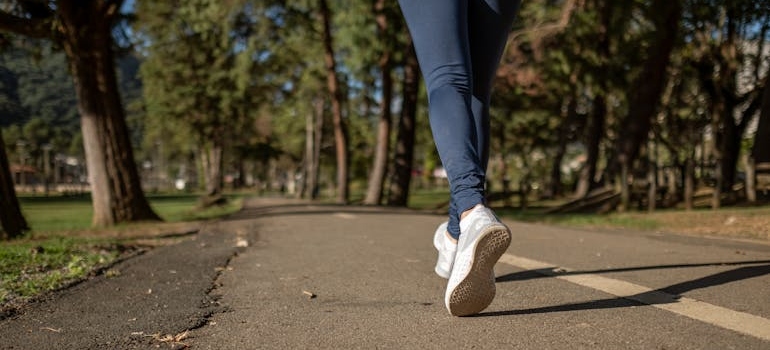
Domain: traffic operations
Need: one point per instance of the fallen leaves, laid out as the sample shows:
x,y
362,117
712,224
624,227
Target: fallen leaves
x,y
173,340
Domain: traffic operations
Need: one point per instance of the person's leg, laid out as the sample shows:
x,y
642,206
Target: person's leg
x,y
471,285
490,23
439,29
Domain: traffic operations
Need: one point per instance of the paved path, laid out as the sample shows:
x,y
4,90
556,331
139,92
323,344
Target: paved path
x,y
317,276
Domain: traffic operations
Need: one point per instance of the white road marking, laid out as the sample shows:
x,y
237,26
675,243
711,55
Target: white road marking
x,y
741,322
344,215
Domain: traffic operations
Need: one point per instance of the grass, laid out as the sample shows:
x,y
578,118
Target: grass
x,y
734,222
28,267
429,199
46,214
51,214
742,223
615,220
62,247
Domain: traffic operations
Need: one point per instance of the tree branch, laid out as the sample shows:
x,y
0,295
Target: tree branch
x,y
551,28
34,28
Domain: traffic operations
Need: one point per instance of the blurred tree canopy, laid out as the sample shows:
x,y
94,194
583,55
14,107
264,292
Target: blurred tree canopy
x,y
659,102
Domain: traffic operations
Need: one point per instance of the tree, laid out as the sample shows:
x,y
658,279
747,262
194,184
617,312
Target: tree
x,y
760,152
645,92
46,89
84,31
10,105
727,34
11,219
543,70
385,20
405,138
337,101
46,95
200,76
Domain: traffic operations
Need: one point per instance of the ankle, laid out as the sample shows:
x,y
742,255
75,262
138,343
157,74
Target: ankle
x,y
465,213
450,238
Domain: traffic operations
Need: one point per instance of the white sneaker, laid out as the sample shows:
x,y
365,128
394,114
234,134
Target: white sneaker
x,y
446,251
483,239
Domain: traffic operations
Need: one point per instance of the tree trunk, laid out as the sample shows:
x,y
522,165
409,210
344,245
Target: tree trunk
x,y
313,134
652,177
724,90
648,86
380,165
689,182
727,135
593,139
731,140
11,218
115,186
404,152
309,147
731,148
211,156
333,84
505,181
556,188
751,176
597,120
760,152
625,195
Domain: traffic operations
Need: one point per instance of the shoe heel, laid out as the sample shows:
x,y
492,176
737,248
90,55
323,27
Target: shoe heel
x,y
477,290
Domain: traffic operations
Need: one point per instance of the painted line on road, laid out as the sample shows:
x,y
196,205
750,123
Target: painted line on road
x,y
741,322
344,215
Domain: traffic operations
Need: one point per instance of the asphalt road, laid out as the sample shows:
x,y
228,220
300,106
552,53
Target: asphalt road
x,y
288,275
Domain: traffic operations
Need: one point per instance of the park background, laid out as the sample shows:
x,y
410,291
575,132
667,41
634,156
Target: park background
x,y
119,112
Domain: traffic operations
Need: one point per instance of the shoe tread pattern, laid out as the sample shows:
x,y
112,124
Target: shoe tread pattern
x,y
477,290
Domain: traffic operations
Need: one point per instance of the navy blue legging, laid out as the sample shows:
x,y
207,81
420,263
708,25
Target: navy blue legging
x,y
458,45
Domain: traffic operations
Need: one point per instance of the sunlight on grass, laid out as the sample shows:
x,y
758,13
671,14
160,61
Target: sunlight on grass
x,y
45,260
50,214
57,213
613,220
184,208
29,267
429,199
606,221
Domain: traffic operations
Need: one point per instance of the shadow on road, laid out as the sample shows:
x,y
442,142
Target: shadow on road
x,y
670,294
555,271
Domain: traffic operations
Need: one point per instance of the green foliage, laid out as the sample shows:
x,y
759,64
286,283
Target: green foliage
x,y
46,105
10,104
209,75
44,87
248,73
38,102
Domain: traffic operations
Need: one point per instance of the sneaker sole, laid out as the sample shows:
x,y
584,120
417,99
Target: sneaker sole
x,y
441,272
477,290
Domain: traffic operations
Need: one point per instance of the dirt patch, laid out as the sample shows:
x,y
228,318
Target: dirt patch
x,y
753,225
149,230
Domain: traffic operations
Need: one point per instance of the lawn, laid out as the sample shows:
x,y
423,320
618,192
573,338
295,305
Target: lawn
x,y
751,222
62,248
60,213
